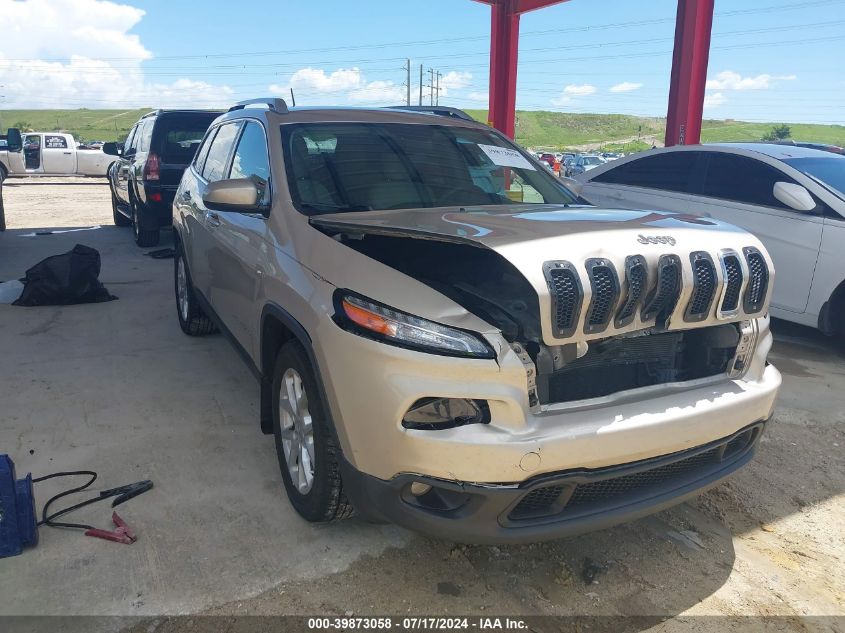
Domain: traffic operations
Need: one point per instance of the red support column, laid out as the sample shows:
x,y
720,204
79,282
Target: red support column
x,y
689,72
504,46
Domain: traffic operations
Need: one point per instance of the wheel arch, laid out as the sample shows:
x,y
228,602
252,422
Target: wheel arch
x,y
278,327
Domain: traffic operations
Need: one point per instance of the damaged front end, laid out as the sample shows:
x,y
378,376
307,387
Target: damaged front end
x,y
592,307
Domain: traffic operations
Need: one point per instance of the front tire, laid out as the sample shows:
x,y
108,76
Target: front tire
x,y
307,451
192,319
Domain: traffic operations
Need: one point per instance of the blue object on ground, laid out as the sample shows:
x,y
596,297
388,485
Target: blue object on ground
x,y
18,523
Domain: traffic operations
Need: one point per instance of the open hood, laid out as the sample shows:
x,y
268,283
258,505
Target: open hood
x,y
496,227
573,255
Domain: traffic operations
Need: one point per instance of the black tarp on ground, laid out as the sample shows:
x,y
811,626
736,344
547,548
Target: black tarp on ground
x,y
65,279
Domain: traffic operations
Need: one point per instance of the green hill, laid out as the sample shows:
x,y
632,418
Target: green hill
x,y
560,129
89,125
537,129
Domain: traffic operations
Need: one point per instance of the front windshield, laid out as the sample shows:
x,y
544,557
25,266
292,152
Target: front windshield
x,y
334,167
830,171
592,160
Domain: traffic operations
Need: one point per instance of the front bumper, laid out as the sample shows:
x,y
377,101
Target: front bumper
x,y
553,505
519,443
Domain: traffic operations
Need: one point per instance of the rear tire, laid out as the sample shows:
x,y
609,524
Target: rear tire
x,y
307,451
144,237
192,319
117,216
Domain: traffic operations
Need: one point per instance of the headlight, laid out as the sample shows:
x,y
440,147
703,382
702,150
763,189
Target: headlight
x,y
368,318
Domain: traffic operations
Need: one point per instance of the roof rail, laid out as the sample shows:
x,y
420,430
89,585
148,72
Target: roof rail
x,y
275,104
455,113
153,113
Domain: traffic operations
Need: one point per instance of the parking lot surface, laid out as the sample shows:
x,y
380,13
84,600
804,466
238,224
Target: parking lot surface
x,y
117,388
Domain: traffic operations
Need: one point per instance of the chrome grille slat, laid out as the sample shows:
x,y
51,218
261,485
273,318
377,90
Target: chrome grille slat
x,y
758,281
705,284
636,276
604,285
732,270
664,296
566,296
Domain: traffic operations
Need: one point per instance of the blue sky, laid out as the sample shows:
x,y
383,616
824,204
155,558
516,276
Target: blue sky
x,y
770,60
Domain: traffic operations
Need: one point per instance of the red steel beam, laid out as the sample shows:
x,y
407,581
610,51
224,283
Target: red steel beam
x,y
689,72
504,48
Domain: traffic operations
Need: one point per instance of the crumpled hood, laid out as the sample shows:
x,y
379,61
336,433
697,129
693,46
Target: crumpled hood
x,y
496,227
536,239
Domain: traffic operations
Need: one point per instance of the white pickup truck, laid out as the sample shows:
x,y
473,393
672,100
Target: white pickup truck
x,y
49,154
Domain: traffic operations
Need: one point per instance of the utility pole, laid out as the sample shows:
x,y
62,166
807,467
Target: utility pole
x,y
421,83
407,69
431,86
439,75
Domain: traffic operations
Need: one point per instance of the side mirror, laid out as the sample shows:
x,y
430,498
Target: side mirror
x,y
573,185
794,196
235,194
112,149
14,142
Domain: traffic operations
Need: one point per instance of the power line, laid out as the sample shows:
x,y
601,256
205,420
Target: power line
x,y
586,28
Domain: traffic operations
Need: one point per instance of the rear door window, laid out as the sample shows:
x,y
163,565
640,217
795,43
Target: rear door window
x,y
127,145
54,142
670,171
742,179
179,137
219,152
144,134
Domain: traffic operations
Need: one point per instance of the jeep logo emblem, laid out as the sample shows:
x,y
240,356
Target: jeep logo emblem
x,y
659,239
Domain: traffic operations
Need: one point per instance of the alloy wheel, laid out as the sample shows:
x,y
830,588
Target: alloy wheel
x,y
182,288
297,431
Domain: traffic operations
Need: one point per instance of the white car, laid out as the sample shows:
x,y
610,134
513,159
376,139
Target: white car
x,y
792,198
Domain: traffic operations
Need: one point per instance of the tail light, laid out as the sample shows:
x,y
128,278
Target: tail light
x,y
152,167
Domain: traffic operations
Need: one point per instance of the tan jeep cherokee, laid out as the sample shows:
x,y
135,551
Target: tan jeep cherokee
x,y
447,338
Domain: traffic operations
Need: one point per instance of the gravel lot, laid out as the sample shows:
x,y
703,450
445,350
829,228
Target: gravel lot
x,y
767,543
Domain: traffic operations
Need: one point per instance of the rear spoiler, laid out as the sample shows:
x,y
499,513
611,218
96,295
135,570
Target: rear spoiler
x,y
455,113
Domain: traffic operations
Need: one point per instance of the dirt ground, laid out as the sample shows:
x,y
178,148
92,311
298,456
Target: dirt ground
x,y
767,543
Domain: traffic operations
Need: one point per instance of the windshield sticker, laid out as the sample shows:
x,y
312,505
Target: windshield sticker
x,y
506,157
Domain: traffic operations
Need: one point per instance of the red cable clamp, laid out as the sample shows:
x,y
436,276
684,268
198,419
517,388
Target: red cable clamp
x,y
123,533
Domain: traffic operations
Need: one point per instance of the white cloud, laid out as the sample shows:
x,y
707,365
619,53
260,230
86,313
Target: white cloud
x,y
478,96
455,80
313,79
626,86
100,63
379,92
714,99
351,86
730,80
574,90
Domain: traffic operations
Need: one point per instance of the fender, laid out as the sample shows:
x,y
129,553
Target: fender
x,y
299,333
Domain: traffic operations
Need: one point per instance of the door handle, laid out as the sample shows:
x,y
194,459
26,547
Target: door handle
x,y
212,218
67,153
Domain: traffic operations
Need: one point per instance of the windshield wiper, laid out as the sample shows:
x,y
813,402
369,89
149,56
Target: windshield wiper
x,y
328,207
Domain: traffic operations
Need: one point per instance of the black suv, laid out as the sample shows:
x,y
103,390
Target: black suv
x,y
150,163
